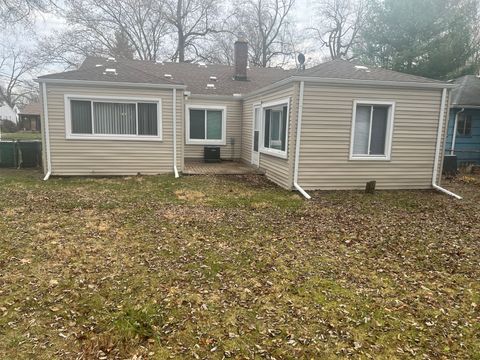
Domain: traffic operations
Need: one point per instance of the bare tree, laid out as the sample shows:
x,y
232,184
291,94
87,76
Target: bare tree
x,y
341,22
266,26
95,25
12,11
17,68
192,20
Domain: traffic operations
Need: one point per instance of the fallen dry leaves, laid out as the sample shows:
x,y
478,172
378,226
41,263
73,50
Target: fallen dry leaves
x,y
234,267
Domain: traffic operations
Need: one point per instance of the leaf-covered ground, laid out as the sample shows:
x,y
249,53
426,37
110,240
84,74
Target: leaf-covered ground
x,y
234,267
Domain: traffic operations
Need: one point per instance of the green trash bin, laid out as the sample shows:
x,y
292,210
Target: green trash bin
x,y
29,154
8,154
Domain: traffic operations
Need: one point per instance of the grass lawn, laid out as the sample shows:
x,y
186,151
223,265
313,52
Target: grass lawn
x,y
234,267
21,136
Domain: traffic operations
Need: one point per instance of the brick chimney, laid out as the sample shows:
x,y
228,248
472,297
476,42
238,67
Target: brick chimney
x,y
241,58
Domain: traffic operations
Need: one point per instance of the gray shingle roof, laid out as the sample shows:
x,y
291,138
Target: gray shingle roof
x,y
196,77
342,69
124,73
466,91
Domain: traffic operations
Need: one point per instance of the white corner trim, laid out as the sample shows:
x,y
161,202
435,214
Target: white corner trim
x,y
222,108
256,106
274,152
114,99
389,134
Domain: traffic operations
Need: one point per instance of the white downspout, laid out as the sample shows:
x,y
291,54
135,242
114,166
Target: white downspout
x,y
175,133
454,135
46,132
297,143
437,149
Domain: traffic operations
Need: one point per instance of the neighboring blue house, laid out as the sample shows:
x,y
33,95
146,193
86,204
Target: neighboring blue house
x,y
463,135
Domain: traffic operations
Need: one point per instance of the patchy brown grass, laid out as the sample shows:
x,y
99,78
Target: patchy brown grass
x,y
215,267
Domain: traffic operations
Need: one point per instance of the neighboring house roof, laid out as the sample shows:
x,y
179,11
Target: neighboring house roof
x,y
31,109
466,92
196,76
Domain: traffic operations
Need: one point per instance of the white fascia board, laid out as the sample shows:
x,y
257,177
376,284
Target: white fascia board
x,y
109,83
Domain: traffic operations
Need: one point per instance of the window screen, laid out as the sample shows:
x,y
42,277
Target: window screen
x,y
275,128
147,119
214,125
206,124
197,124
81,114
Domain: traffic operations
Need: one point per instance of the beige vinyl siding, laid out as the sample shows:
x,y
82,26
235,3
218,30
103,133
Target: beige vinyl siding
x,y
326,129
233,129
278,170
112,157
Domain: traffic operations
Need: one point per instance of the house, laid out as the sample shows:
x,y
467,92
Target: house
x,y
29,117
463,135
333,126
8,113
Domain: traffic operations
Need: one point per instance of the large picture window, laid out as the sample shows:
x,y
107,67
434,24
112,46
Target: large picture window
x,y
206,125
371,130
275,126
113,119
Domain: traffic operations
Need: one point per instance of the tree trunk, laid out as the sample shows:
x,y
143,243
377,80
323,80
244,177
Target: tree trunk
x,y
181,35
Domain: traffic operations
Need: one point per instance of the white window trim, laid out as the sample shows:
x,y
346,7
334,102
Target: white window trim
x,y
274,152
114,99
389,131
222,141
255,107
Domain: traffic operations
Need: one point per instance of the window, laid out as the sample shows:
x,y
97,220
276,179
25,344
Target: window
x,y
206,125
275,125
464,125
112,119
371,130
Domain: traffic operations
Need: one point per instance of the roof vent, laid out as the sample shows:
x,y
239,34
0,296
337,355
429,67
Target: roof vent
x,y
111,59
110,71
361,67
202,65
168,76
210,86
213,78
237,95
98,65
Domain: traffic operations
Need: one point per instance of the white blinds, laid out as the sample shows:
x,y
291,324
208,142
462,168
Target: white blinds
x,y
114,118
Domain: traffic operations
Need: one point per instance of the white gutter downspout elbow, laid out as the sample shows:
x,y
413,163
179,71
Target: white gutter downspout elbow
x,y
454,135
46,132
175,170
437,149
297,143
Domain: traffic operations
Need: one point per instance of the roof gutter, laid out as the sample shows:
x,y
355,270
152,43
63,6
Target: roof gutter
x,y
297,143
437,149
46,132
109,83
174,111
